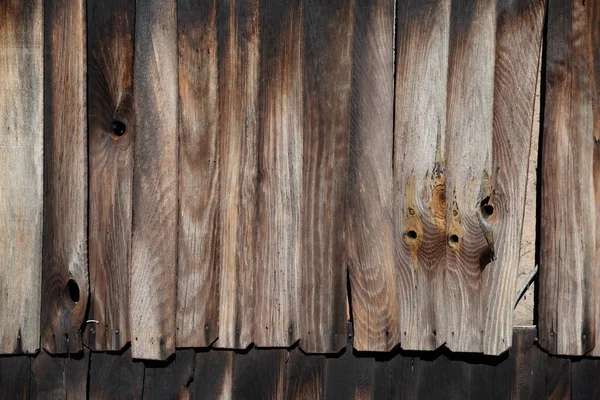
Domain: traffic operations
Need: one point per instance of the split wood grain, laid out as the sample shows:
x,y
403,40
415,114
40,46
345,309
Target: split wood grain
x,y
111,138
239,59
21,174
154,241
370,230
280,146
327,65
198,264
65,285
568,302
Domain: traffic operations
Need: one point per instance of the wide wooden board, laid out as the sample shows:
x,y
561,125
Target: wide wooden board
x,y
21,174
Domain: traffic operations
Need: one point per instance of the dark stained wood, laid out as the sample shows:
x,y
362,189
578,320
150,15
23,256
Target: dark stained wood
x,y
371,255
213,375
61,377
199,224
239,40
21,174
65,285
568,301
111,137
280,137
327,64
15,373
419,171
356,376
170,379
305,376
115,376
558,377
584,379
528,365
154,241
259,374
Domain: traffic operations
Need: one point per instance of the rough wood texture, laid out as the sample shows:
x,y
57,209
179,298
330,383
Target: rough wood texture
x,y
21,174
327,63
239,40
15,375
199,225
64,268
280,156
111,138
115,376
213,373
59,377
170,379
259,375
154,241
568,303
371,255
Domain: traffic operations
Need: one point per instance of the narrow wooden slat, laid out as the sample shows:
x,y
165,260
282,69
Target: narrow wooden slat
x,y
529,376
111,138
371,256
199,226
239,40
65,268
170,379
55,377
280,157
419,169
568,300
15,374
213,375
305,376
115,376
154,241
259,374
327,63
21,174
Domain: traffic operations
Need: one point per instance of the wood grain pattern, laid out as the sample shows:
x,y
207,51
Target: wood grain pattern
x,y
199,227
419,170
259,374
55,377
280,158
111,137
327,63
370,230
65,287
584,378
154,241
170,379
239,59
15,375
115,376
21,174
568,302
213,373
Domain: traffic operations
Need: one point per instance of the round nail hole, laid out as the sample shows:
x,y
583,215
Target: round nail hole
x,y
73,290
411,234
487,210
454,239
117,128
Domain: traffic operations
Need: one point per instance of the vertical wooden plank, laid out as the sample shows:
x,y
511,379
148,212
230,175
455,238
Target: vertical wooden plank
x,y
280,157
356,376
154,241
21,177
213,375
570,144
259,374
529,375
469,182
305,376
111,138
419,169
65,285
558,377
15,373
327,63
54,377
115,376
371,256
199,227
584,379
170,379
239,41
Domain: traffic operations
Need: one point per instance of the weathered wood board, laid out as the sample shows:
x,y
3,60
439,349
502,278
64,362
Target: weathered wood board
x,y
110,30
568,301
21,174
154,241
115,376
59,377
199,223
65,266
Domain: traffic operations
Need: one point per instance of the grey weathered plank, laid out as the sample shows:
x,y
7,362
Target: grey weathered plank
x,y
111,137
568,301
239,40
199,224
154,240
21,174
64,267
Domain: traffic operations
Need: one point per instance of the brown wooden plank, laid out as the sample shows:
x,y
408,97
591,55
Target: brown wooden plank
x,y
199,226
15,373
278,262
170,379
305,376
59,377
419,170
371,256
568,300
259,374
154,241
584,379
529,375
213,375
21,174
111,138
115,376
65,285
327,63
239,40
